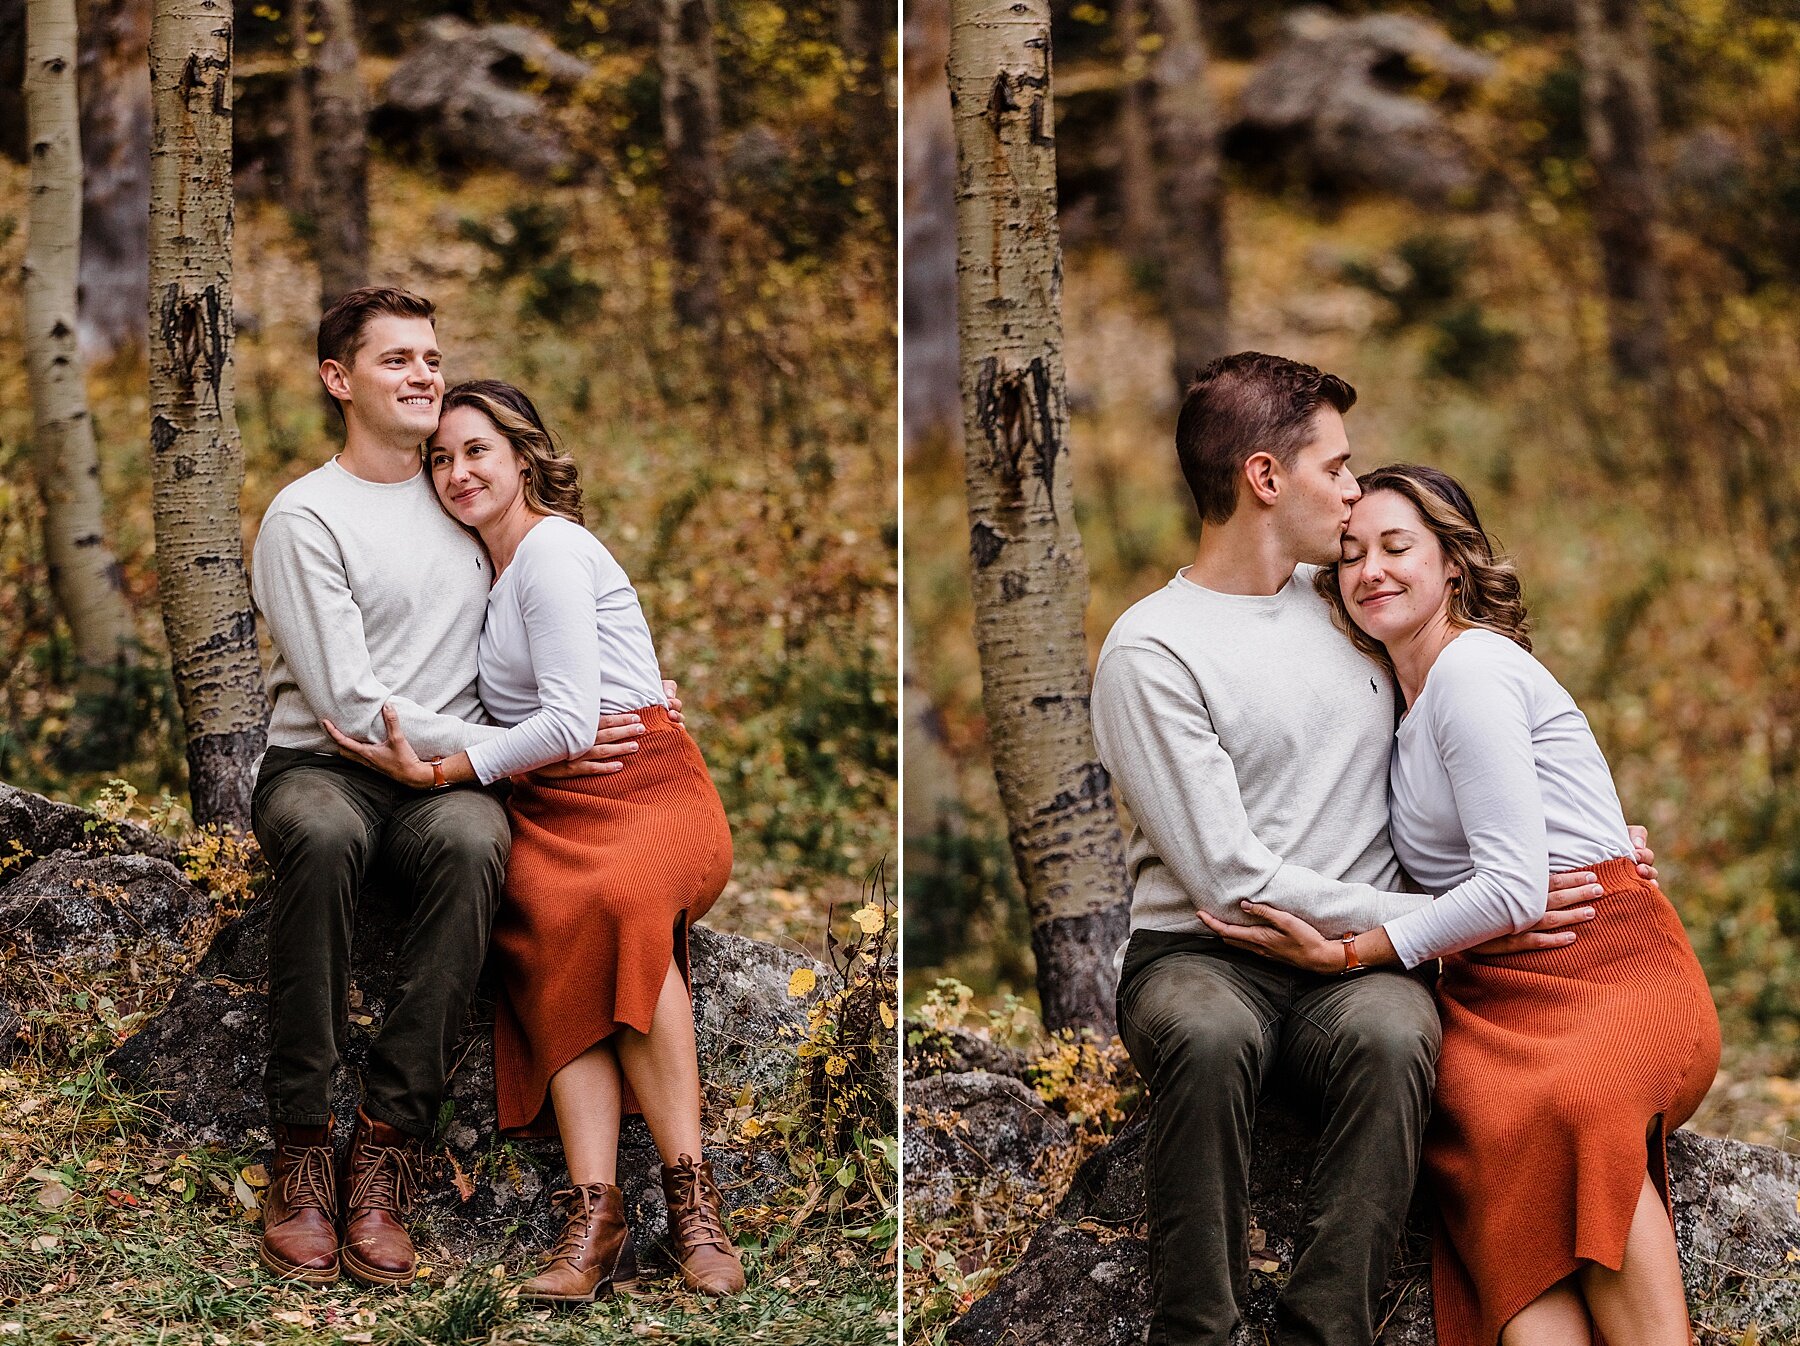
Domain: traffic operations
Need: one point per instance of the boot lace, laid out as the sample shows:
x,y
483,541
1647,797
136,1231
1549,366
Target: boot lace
x,y
306,1181
383,1178
577,1207
696,1206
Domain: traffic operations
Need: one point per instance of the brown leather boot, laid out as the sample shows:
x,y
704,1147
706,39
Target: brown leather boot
x,y
709,1259
588,1260
299,1210
379,1186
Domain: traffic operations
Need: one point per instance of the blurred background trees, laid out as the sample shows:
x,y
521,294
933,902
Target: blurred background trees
x,y
1553,243
513,162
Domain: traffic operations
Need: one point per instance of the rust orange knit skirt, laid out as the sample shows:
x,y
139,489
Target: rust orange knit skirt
x,y
606,875
1561,1074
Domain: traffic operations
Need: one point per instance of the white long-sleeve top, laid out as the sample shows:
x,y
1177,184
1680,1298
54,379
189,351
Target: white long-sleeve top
x,y
565,642
1250,741
1496,783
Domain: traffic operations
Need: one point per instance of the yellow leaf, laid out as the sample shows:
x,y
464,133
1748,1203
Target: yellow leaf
x,y
870,919
836,1065
752,1128
887,1015
802,982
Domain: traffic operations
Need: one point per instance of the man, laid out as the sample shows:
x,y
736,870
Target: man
x,y
372,596
1250,741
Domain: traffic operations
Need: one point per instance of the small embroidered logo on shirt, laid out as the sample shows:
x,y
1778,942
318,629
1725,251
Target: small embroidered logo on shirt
x,y
1373,688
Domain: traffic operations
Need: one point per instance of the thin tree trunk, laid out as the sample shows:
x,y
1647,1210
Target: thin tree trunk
x,y
83,573
1140,217
692,184
1618,113
340,129
300,187
196,459
1196,293
115,202
1028,574
864,30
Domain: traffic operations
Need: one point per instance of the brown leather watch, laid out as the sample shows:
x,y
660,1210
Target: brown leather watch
x,y
1351,962
438,780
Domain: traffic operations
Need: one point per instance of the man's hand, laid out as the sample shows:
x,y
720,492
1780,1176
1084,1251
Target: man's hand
x,y
1566,909
1281,936
617,738
1646,858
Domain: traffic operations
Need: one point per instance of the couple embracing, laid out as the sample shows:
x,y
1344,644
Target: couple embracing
x,y
1336,696
443,624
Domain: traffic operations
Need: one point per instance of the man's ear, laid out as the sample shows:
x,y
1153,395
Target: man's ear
x,y
336,379
1262,471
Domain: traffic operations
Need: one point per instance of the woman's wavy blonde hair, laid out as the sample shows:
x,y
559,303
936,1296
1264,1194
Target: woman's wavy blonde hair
x,y
1485,592
552,482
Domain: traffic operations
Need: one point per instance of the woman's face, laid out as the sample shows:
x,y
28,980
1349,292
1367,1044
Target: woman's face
x,y
1393,575
475,470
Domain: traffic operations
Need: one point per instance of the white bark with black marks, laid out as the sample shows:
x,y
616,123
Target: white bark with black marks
x,y
1028,573
84,575
196,459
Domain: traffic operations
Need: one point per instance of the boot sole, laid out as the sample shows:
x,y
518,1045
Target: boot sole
x,y
694,1284
300,1275
600,1291
368,1275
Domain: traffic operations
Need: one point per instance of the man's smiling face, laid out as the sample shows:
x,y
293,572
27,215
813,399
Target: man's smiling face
x,y
395,382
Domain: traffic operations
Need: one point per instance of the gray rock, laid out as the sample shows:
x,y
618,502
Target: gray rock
x,y
947,1051
1083,1278
470,96
1334,104
972,1136
88,910
33,826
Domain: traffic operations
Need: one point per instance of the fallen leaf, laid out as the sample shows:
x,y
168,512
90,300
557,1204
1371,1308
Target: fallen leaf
x,y
800,984
45,1243
53,1194
887,1015
246,1196
118,1198
44,1175
254,1174
219,1184
465,1185
293,1317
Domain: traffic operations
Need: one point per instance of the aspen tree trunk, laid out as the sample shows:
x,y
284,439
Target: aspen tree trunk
x,y
692,185
1196,293
1140,217
1028,573
196,460
1619,116
341,141
299,189
83,574
115,151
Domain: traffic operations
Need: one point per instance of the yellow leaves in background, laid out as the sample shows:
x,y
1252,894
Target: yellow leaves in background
x,y
802,983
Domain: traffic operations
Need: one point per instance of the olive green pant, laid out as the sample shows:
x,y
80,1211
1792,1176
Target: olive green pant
x,y
326,824
1211,1028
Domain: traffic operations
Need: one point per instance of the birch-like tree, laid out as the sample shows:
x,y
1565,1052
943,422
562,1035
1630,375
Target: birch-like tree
x,y
1619,118
1195,289
1028,573
694,178
341,143
84,576
196,459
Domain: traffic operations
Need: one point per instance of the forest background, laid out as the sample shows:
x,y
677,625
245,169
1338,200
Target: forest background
x,y
1415,209
738,459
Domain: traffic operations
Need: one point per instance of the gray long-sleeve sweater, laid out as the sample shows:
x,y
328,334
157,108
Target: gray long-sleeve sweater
x,y
1250,741
372,594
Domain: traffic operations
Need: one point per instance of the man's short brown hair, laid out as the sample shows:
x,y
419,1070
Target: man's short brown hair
x,y
341,326
1243,404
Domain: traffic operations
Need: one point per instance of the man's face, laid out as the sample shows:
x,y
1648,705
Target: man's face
x,y
394,383
1318,491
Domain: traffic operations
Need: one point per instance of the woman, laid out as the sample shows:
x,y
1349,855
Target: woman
x,y
608,870
1563,1069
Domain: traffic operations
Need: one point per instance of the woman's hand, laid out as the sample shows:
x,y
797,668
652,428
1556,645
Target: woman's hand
x,y
1281,936
394,758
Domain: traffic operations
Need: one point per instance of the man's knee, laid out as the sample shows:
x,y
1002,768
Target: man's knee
x,y
302,819
1186,1022
1396,1041
465,832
